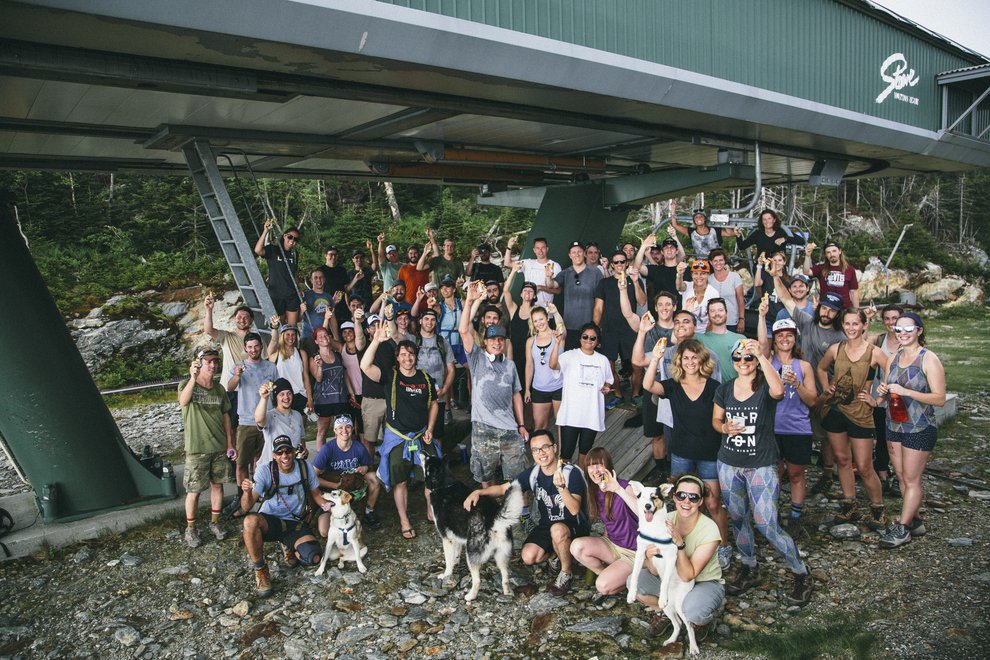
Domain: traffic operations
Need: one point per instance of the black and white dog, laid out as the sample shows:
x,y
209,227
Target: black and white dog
x,y
485,530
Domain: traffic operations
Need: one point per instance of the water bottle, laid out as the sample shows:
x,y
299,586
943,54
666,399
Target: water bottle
x,y
897,409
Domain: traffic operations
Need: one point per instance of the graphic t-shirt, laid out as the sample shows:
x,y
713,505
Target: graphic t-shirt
x,y
317,306
582,402
202,419
407,399
281,272
756,446
835,280
548,498
334,459
255,374
287,501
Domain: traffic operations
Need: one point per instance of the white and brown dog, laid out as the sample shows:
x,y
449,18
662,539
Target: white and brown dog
x,y
344,542
653,531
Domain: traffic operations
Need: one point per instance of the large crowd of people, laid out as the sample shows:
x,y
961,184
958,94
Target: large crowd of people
x,y
379,355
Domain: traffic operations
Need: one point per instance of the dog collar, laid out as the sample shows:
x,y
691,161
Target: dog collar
x,y
344,532
656,540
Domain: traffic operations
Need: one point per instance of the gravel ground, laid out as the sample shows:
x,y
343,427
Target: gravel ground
x,y
145,594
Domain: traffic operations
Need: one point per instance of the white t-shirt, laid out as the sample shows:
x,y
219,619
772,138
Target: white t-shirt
x,y
727,291
291,369
276,424
582,402
699,309
535,272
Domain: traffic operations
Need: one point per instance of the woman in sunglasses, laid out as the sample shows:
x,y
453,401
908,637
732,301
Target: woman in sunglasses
x,y
543,385
697,539
694,443
747,466
913,386
587,376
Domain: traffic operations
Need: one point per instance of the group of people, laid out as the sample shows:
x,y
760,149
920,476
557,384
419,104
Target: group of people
x,y
728,416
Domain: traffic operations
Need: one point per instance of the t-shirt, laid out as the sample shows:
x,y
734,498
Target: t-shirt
x,y
390,273
384,360
705,531
727,291
432,360
317,306
255,373
721,345
334,459
362,287
579,294
287,502
535,272
441,268
815,339
582,402
485,272
407,399
276,424
336,278
835,280
202,419
663,278
548,498
494,382
607,290
413,279
693,436
281,273
703,244
233,352
696,307
623,528
756,446
808,308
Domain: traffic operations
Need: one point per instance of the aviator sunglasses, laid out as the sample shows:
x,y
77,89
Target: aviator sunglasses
x,y
681,496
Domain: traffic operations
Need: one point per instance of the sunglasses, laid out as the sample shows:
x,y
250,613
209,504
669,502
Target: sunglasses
x,y
589,338
618,261
699,268
693,497
577,281
542,450
292,237
898,329
743,358
280,452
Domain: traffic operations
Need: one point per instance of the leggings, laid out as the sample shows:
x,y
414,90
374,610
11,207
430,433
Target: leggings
x,y
881,457
573,436
756,490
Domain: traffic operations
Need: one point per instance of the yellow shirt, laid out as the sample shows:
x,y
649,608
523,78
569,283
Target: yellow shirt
x,y
705,531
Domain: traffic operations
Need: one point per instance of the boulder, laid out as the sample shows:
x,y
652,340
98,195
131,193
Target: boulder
x,y
873,282
861,224
942,290
929,274
971,294
127,338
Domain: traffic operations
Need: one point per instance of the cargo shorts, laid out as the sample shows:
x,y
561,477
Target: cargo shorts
x,y
205,469
491,446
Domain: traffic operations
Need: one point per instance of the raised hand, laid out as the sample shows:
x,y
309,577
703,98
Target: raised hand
x,y
650,240
381,237
511,242
209,301
337,297
273,322
194,368
660,348
681,267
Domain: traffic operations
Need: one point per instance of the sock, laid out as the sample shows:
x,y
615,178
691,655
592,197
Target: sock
x,y
191,522
796,509
214,515
258,565
368,509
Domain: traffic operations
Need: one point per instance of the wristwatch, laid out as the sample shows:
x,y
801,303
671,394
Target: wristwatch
x,y
681,546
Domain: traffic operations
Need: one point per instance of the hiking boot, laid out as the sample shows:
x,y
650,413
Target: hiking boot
x,y
290,556
660,626
702,631
822,486
599,599
747,578
553,566
371,520
795,528
801,594
848,512
897,534
263,582
917,527
217,532
724,556
192,537
878,518
232,507
561,584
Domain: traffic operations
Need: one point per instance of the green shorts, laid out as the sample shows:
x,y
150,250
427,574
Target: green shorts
x,y
250,441
205,469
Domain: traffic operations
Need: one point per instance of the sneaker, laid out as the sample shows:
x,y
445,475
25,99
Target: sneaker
x,y
192,537
599,599
724,556
701,632
822,486
897,534
638,401
612,403
448,417
217,532
660,626
895,486
878,518
561,584
232,507
289,555
747,578
801,594
848,512
917,527
370,519
553,566
263,582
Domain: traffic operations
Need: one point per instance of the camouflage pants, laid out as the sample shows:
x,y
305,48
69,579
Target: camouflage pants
x,y
205,469
491,446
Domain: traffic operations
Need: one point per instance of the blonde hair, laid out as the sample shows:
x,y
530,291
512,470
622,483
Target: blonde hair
x,y
706,365
534,310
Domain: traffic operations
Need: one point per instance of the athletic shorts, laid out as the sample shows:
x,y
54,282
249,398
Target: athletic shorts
x,y
373,414
617,343
332,409
795,449
205,469
707,470
250,441
541,535
537,396
919,441
836,422
289,303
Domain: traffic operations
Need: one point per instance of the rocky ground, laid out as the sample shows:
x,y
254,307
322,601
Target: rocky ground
x,y
145,594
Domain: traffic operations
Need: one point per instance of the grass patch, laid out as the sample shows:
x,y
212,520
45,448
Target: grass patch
x,y
142,397
963,345
844,636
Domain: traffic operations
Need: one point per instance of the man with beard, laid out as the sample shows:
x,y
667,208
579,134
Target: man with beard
x,y
483,269
799,288
436,357
835,274
578,283
718,338
231,343
411,278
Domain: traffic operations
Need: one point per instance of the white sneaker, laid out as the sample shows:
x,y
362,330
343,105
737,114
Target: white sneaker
x,y
724,556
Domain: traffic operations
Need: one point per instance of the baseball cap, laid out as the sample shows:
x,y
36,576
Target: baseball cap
x,y
668,241
391,248
374,318
355,253
832,243
832,301
530,285
430,286
575,244
281,442
208,354
448,281
800,277
784,324
428,312
484,247
701,266
493,331
288,327
347,325
491,283
343,420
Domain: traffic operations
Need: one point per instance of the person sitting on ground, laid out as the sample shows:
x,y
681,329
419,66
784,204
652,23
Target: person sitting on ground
x,y
343,457
611,501
289,490
208,441
696,537
560,492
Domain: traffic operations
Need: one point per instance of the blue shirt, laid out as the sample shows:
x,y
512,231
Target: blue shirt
x,y
333,458
287,502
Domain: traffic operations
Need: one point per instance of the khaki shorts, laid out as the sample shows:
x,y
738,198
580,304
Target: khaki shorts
x,y
619,553
205,469
373,416
250,441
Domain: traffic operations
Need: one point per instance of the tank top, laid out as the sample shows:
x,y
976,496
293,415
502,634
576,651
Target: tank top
x,y
881,343
792,416
518,334
330,388
921,416
290,368
704,244
448,322
850,379
545,379
352,369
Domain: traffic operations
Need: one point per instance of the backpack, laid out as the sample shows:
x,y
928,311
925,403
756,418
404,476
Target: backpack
x,y
568,468
303,480
6,524
440,346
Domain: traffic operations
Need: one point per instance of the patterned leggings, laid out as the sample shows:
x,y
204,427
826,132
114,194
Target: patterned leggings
x,y
756,490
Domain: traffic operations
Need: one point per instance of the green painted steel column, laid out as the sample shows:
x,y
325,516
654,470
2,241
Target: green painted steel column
x,y
52,418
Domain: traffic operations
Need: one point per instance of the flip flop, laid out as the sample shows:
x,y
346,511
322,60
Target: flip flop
x,y
409,534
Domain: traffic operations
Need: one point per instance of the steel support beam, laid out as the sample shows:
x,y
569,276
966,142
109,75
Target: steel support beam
x,y
641,189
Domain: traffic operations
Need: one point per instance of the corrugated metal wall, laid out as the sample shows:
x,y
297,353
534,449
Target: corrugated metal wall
x,y
819,50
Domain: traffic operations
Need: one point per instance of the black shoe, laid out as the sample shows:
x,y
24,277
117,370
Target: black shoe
x,y
801,593
747,578
848,512
233,507
633,422
822,486
917,527
895,487
371,520
599,599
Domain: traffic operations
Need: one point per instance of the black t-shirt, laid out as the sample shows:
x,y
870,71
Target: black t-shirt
x,y
384,360
406,399
484,272
612,318
281,274
693,436
756,446
663,278
336,278
363,286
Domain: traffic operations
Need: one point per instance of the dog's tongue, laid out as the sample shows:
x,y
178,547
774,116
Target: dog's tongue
x,y
649,516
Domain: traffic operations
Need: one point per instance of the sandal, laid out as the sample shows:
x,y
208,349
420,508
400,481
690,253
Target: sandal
x,y
409,534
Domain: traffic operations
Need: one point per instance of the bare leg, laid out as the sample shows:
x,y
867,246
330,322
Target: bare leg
x,y
862,449
843,463
192,504
322,427
560,534
913,464
713,502
401,495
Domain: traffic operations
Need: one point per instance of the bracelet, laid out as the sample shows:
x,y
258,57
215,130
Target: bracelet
x,y
520,426
681,546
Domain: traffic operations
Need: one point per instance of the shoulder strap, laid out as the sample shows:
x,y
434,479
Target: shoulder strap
x,y
532,477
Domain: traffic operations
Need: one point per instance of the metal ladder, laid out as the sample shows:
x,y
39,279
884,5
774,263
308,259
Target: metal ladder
x,y
237,250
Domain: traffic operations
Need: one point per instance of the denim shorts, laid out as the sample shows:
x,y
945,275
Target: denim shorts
x,y
707,470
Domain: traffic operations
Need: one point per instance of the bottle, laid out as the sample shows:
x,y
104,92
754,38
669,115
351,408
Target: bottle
x,y
897,409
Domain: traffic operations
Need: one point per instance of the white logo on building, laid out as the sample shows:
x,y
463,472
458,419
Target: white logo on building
x,y
894,71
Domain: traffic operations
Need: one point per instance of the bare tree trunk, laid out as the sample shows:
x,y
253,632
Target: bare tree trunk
x,y
72,192
962,187
393,203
